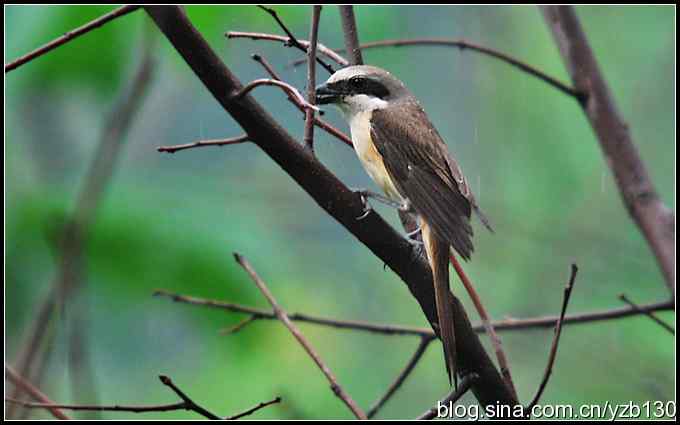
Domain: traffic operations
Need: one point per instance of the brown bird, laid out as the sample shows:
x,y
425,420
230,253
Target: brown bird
x,y
404,154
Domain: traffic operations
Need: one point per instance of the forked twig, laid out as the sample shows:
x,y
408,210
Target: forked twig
x,y
649,314
278,83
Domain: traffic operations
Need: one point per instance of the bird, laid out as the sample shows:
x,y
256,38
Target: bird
x,y
404,154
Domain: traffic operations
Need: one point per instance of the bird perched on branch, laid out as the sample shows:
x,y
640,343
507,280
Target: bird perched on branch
x,y
404,154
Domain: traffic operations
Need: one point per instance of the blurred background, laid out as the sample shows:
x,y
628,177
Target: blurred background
x,y
172,221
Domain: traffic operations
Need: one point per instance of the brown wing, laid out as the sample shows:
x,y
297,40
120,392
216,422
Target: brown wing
x,y
423,171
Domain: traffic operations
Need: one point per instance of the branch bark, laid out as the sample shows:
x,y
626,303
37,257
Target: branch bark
x,y
349,28
331,194
652,216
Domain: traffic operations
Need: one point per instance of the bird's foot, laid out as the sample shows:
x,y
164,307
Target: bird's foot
x,y
366,194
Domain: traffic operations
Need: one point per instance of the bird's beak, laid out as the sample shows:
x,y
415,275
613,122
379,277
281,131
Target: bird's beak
x,y
326,94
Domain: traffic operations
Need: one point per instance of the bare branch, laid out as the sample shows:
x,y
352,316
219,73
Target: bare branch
x,y
71,240
20,382
486,322
283,317
405,372
317,121
189,404
556,338
452,398
330,53
308,137
463,45
649,314
255,409
278,83
102,408
349,29
655,220
292,41
203,143
70,35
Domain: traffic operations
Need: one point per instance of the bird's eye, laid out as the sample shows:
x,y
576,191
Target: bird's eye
x,y
357,82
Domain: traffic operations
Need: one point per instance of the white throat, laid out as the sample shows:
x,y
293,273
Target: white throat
x,y
351,106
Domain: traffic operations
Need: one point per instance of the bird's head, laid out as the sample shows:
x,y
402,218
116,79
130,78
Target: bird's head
x,y
360,88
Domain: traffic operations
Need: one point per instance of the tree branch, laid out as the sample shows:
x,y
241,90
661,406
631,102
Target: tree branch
x,y
453,397
283,317
70,35
467,45
556,339
292,41
317,121
203,143
648,313
20,382
287,42
652,216
255,409
308,137
349,29
410,365
290,90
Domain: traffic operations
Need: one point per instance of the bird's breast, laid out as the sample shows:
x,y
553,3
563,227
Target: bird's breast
x,y
371,160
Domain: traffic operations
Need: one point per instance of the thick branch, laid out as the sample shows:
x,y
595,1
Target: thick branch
x,y
652,216
332,195
349,29
70,35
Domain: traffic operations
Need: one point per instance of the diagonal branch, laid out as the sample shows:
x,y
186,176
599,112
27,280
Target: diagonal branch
x,y
292,40
410,365
556,339
254,409
290,90
349,29
317,121
649,314
452,398
20,382
283,317
188,404
70,35
655,220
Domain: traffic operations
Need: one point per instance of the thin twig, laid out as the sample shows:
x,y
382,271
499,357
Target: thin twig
x,y
556,339
349,29
189,404
70,35
405,372
278,83
102,408
452,398
292,41
330,53
258,314
317,121
649,314
239,326
308,137
503,363
464,44
255,409
283,317
203,143
27,387
510,324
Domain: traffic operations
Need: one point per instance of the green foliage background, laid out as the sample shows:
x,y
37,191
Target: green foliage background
x,y
172,221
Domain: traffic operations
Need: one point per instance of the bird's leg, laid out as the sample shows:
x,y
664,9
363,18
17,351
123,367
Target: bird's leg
x,y
365,194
